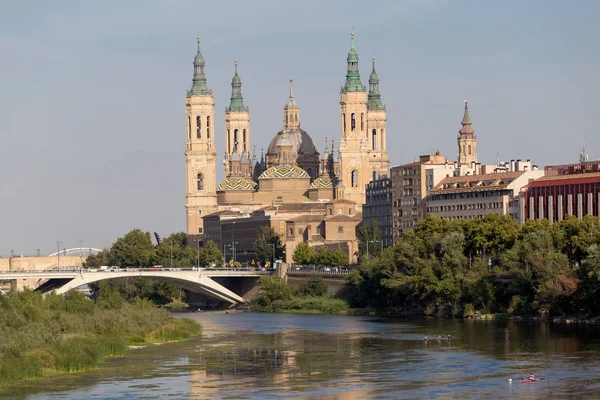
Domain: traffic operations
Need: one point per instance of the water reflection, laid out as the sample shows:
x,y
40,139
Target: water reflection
x,y
272,356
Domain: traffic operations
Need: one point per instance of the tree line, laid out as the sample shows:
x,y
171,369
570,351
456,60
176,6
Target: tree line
x,y
488,265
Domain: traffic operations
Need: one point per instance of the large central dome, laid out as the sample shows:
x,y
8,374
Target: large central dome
x,y
301,142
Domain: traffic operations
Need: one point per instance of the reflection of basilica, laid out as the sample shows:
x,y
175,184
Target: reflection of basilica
x,y
292,171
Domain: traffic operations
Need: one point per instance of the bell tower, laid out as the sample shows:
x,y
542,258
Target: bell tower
x,y
376,128
200,151
237,131
467,141
355,169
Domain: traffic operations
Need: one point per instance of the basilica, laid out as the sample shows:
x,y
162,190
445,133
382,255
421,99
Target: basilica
x,y
292,174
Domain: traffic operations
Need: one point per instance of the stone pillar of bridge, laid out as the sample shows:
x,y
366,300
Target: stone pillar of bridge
x,y
281,271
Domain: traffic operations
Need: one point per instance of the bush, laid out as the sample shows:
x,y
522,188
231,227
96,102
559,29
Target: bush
x,y
469,311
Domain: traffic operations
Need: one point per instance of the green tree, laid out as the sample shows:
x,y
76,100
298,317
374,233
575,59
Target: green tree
x,y
369,239
134,249
327,256
304,254
273,288
183,256
266,241
312,287
97,260
210,254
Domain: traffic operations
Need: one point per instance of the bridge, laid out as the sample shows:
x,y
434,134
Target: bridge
x,y
210,282
77,251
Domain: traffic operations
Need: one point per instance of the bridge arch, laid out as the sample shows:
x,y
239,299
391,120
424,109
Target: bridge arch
x,y
76,251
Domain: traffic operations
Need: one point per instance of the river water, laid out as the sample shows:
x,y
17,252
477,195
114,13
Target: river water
x,y
288,356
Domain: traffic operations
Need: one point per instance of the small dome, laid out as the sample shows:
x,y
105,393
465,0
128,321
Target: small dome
x,y
299,139
323,183
237,184
284,172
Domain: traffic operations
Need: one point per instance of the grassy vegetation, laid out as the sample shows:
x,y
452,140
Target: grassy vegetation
x,y
308,298
55,334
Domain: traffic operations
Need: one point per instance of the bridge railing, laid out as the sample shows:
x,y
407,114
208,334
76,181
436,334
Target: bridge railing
x,y
134,269
318,270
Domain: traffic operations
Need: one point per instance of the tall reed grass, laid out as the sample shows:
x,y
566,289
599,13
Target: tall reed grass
x,y
70,333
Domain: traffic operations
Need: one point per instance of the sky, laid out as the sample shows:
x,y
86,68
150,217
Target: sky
x,y
92,94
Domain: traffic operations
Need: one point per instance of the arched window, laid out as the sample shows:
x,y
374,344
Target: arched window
x,y
362,125
344,123
235,140
382,146
208,127
352,122
374,139
296,117
469,149
374,175
464,149
354,178
200,182
189,127
244,136
228,141
198,127
286,118
309,172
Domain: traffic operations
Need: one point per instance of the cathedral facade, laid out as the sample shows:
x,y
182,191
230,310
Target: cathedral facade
x,y
292,171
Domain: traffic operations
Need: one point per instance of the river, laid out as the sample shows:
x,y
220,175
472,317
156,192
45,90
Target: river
x,y
289,356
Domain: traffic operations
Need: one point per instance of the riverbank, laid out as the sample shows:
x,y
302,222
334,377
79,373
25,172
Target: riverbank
x,y
52,334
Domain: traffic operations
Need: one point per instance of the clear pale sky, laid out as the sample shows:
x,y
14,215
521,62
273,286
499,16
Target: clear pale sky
x,y
92,94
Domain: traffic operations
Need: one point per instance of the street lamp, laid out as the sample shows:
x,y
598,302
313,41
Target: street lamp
x,y
58,243
171,265
273,244
233,243
80,252
198,260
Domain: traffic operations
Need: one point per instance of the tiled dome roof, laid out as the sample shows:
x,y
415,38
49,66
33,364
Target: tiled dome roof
x,y
237,184
284,171
323,183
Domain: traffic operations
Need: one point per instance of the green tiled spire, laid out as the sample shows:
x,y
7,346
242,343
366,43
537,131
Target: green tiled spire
x,y
237,101
199,87
353,83
374,99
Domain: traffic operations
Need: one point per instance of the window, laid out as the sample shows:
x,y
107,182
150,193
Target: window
x,y
235,140
198,127
200,182
362,125
309,171
354,178
199,230
331,211
189,127
352,122
299,231
374,175
318,230
208,127
296,117
244,138
228,141
200,212
374,139
344,123
469,149
349,211
291,231
340,229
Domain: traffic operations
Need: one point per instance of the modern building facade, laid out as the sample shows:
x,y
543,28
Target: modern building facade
x,y
379,207
410,184
473,196
571,189
292,171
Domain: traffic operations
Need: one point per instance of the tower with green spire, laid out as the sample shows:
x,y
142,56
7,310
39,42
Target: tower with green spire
x,y
376,128
374,98
353,83
354,165
237,132
200,151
